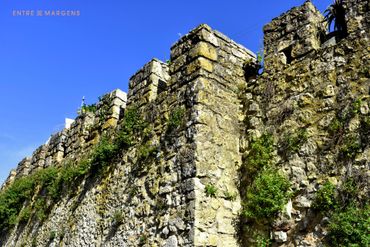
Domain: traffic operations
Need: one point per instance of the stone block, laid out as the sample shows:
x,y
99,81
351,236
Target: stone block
x,y
280,236
199,63
203,49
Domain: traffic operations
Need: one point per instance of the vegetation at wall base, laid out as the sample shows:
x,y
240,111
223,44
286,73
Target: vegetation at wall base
x,y
292,142
265,191
350,227
260,154
325,199
176,118
349,216
267,195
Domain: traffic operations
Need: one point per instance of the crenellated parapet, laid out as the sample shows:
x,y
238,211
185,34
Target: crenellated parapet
x,y
79,136
110,109
9,180
293,35
210,53
56,148
38,158
201,81
148,82
86,130
357,17
23,168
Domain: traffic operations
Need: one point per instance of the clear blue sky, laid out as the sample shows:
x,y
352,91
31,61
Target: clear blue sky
x,y
48,63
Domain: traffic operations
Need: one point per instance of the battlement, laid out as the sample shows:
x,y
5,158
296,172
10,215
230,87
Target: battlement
x,y
302,30
207,52
293,34
203,76
79,136
148,82
357,17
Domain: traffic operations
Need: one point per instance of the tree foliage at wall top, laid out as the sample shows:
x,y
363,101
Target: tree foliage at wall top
x,y
336,13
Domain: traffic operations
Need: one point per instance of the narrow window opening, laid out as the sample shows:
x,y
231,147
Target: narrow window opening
x,y
288,54
162,86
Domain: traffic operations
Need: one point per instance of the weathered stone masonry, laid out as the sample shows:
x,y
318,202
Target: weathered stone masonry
x,y
306,80
306,85
203,77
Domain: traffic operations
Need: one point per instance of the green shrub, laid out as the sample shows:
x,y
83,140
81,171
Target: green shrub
x,y
210,190
267,196
335,126
263,241
52,235
348,193
132,126
124,138
25,214
118,217
294,141
40,208
67,177
350,227
145,151
350,148
54,190
45,177
260,154
325,199
349,223
51,181
71,172
12,199
176,118
356,106
88,108
103,153
14,196
230,196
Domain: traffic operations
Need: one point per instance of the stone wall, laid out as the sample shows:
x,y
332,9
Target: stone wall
x,y
357,17
162,200
189,192
148,82
310,95
211,71
292,35
82,134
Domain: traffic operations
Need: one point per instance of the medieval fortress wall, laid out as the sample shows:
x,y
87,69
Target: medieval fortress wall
x,y
165,200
